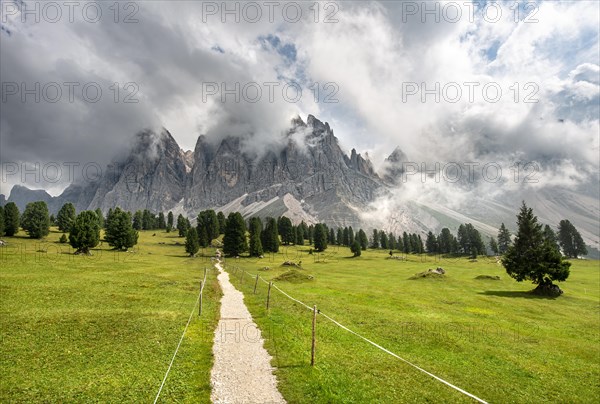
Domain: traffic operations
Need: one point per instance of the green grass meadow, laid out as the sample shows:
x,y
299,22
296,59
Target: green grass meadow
x,y
103,328
489,337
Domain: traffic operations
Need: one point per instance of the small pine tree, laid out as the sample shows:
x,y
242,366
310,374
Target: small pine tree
x,y
234,240
445,241
504,240
320,238
222,220
431,243
406,243
65,217
119,232
161,224
209,220
191,242
570,240
383,240
36,220
362,239
300,235
375,239
169,222
63,239
181,225
202,236
356,248
255,229
286,230
345,237
85,232
138,220
1,221
269,237
11,219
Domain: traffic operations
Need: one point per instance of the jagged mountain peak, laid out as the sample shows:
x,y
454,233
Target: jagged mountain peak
x,y
317,126
150,143
397,156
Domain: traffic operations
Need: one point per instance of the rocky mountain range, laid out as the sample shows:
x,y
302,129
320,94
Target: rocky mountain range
x,y
309,177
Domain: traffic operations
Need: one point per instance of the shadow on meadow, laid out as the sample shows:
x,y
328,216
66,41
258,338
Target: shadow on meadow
x,y
516,293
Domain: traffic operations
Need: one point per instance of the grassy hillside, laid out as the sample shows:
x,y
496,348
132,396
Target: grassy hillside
x,y
103,328
489,337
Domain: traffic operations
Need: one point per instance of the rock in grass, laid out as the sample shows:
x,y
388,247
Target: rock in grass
x,y
428,274
488,277
547,290
293,276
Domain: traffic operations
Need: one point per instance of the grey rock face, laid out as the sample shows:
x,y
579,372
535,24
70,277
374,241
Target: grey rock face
x,y
152,177
317,172
394,167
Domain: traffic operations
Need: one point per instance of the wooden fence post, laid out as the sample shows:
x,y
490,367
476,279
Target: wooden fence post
x,y
255,283
200,307
269,295
314,340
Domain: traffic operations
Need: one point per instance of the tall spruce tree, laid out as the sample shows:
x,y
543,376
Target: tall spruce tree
x,y
362,239
119,232
300,235
255,228
270,236
161,224
170,221
339,238
85,232
431,243
320,237
192,244
234,240
65,217
356,248
208,219
181,225
36,219
375,239
383,240
570,240
504,240
138,220
12,219
533,258
203,240
286,230
222,220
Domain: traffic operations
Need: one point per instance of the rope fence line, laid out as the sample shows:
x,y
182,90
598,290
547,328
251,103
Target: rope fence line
x,y
196,302
474,397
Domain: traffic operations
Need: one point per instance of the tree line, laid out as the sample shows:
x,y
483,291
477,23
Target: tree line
x,y
256,237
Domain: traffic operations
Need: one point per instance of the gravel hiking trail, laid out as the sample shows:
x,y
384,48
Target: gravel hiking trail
x,y
242,371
